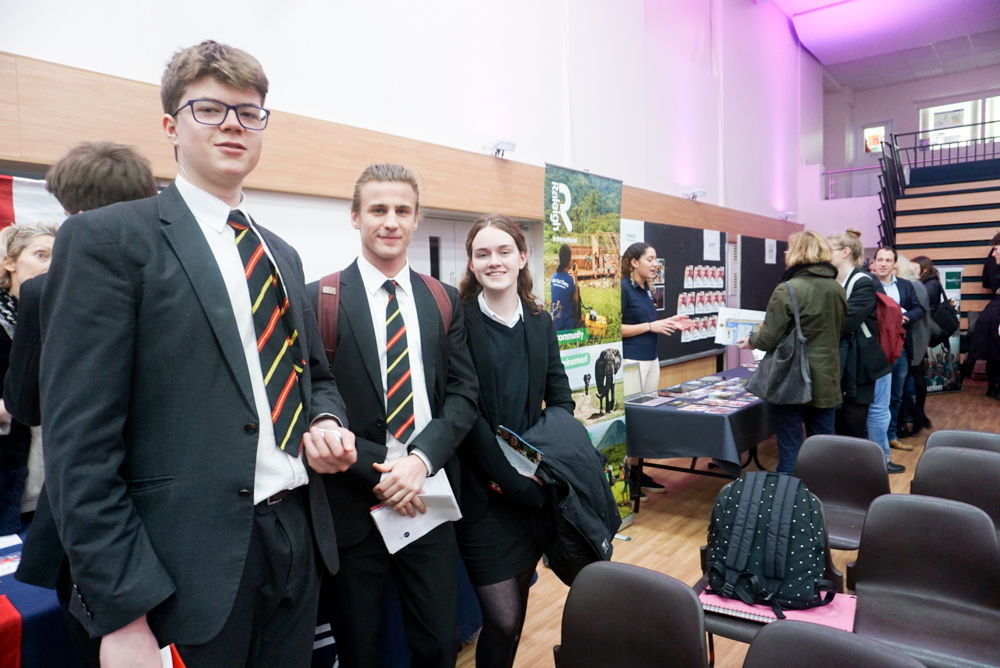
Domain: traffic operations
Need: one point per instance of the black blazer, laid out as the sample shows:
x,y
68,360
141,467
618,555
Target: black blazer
x,y
451,389
20,388
862,360
482,460
149,422
15,446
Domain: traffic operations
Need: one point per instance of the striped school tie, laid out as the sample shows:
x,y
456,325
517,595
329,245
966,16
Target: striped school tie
x,y
399,396
281,359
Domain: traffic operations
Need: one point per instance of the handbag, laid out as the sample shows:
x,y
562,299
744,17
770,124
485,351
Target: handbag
x,y
944,323
783,375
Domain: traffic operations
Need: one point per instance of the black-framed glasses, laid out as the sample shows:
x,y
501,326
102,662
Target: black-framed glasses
x,y
213,112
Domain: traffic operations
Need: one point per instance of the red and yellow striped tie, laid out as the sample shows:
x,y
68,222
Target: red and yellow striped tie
x,y
281,359
399,392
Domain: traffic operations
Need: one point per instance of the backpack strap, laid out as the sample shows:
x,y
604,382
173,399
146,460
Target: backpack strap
x,y
328,305
744,527
853,281
441,297
779,529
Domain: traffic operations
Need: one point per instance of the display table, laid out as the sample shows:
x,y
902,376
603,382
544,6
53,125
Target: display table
x,y
44,640
667,432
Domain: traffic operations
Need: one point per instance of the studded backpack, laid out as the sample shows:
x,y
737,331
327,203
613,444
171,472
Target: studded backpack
x,y
767,544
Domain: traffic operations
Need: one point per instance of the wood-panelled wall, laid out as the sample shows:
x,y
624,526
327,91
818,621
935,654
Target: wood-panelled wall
x,y
47,108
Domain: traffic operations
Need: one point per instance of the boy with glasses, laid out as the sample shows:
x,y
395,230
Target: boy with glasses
x,y
188,404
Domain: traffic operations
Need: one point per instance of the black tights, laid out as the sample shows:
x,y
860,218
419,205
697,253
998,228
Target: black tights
x,y
504,605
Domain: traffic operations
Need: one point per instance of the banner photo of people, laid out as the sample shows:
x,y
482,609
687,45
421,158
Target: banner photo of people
x,y
942,366
582,228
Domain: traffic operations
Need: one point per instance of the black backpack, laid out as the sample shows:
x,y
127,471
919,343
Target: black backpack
x,y
767,544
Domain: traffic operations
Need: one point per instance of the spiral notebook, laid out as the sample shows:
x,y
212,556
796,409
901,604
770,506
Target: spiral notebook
x,y
838,614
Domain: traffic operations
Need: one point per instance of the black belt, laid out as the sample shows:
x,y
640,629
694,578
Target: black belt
x,y
280,496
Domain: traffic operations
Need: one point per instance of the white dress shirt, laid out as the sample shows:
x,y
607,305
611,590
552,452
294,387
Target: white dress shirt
x,y
892,289
378,299
488,312
275,470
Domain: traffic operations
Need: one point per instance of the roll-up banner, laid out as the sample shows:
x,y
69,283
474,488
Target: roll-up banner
x,y
582,292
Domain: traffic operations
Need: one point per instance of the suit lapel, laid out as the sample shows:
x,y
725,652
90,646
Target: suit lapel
x,y
476,330
188,242
354,305
430,331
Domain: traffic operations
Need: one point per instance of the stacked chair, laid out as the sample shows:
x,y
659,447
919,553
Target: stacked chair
x,y
927,580
846,474
664,628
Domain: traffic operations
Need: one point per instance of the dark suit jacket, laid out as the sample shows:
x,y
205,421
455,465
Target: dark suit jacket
x,y
482,460
149,421
911,308
20,388
451,389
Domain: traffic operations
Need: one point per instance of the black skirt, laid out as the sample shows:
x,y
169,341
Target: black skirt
x,y
500,545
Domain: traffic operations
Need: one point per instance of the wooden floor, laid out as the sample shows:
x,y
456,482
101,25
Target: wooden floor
x,y
671,527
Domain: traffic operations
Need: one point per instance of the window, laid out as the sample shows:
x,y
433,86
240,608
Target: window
x,y
874,136
435,249
951,123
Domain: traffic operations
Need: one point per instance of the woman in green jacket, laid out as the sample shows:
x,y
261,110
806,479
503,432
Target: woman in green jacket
x,y
822,312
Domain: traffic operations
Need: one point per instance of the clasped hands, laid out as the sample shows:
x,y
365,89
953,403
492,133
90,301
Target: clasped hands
x,y
330,449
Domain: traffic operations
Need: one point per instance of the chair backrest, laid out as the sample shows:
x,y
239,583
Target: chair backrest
x,y
934,549
961,474
843,471
791,644
961,438
619,614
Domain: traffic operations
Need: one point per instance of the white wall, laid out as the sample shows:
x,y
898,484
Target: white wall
x,y
664,94
835,215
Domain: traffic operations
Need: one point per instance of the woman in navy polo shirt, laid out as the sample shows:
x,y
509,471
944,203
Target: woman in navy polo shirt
x,y
640,326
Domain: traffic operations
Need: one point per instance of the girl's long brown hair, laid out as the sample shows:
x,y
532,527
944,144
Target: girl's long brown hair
x,y
470,287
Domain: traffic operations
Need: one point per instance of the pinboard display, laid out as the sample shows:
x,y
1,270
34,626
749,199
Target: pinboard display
x,y
689,283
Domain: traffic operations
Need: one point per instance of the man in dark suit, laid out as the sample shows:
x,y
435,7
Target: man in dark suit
x,y
182,375
903,293
412,400
89,176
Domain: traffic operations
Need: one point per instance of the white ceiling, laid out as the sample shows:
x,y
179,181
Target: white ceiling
x,y
867,44
965,53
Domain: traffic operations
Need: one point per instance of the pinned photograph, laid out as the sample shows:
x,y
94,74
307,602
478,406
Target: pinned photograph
x,y
659,270
699,305
688,277
659,300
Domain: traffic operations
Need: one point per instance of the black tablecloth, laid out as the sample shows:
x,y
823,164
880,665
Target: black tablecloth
x,y
664,432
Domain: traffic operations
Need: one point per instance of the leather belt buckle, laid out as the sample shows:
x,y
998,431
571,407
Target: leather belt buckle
x,y
279,497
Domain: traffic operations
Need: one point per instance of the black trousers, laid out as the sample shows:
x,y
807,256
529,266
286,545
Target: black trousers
x,y
852,420
273,621
992,375
426,575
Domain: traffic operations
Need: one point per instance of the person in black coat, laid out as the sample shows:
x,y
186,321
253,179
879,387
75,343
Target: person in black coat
x,y
929,276
25,251
862,361
984,343
991,273
516,354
